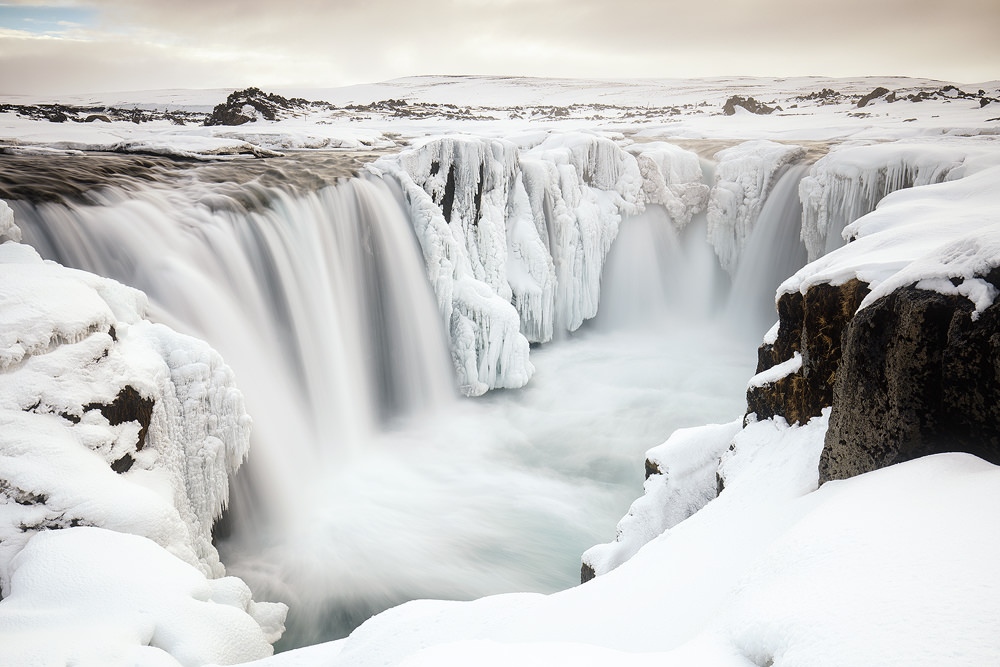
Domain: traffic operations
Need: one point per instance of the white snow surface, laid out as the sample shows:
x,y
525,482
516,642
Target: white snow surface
x,y
943,237
772,571
93,596
71,342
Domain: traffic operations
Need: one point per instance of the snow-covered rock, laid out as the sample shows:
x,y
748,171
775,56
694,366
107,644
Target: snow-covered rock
x,y
107,421
744,177
681,480
852,179
8,230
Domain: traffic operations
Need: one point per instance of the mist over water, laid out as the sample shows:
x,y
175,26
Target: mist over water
x,y
370,482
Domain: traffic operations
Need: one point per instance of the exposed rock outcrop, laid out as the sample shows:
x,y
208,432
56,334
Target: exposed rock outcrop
x,y
877,94
243,106
812,325
919,376
748,103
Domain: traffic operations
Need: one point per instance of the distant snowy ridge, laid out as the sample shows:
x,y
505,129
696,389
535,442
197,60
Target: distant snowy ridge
x,y
113,425
514,239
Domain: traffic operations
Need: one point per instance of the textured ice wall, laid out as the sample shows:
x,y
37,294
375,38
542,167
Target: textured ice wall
x,y
112,422
744,177
514,239
851,179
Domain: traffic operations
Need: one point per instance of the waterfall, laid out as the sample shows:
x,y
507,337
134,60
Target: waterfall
x,y
657,276
369,483
774,251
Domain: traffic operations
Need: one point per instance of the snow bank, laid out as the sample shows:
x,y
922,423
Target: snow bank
x,y
109,421
683,483
943,237
96,596
514,238
744,177
852,178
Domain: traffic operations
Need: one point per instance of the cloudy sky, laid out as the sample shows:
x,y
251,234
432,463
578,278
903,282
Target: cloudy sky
x,y
113,45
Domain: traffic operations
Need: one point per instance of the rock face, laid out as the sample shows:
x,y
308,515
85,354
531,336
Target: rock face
x,y
919,376
812,325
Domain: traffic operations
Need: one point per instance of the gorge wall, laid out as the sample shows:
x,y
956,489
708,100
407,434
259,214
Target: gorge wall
x,y
897,331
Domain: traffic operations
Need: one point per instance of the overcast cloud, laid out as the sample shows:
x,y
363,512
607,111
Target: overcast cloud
x,y
147,44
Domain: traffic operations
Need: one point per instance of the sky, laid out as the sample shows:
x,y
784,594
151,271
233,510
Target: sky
x,y
73,46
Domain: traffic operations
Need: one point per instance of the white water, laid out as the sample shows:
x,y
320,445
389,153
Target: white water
x,y
369,482
773,252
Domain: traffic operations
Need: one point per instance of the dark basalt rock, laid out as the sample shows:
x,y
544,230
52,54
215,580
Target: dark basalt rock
x,y
748,103
267,105
129,405
811,325
919,376
875,94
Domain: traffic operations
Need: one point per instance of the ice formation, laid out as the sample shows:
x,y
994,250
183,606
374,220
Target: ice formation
x,y
107,421
744,177
853,178
943,237
514,239
681,482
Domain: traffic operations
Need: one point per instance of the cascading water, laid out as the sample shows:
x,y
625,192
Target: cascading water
x,y
773,252
369,483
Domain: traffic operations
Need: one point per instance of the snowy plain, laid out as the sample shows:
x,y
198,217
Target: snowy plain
x,y
893,567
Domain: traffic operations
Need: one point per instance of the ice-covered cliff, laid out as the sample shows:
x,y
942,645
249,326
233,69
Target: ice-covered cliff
x,y
514,236
117,437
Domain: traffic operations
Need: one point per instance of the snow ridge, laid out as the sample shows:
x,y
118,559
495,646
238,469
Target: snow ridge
x,y
514,240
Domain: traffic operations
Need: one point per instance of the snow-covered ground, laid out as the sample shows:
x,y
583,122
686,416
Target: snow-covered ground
x,y
896,566
388,114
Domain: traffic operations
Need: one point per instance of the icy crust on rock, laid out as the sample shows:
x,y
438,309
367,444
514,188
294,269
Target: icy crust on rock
x,y
943,237
8,230
744,176
683,483
671,177
112,422
458,191
852,178
514,238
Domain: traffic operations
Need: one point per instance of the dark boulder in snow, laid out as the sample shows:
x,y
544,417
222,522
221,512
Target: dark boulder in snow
x,y
919,376
876,94
748,103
